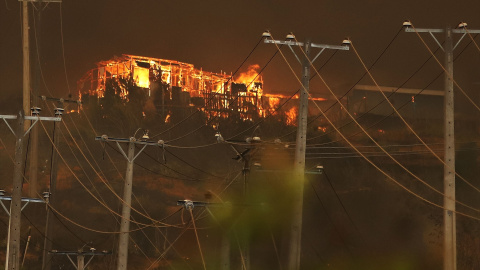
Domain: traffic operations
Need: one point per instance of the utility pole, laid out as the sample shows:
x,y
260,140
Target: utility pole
x,y
27,87
80,254
299,162
127,190
449,218
13,245
245,157
47,244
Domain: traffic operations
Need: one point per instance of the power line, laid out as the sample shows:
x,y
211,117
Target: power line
x,y
141,228
409,127
38,55
285,102
368,160
68,229
376,143
193,166
353,86
331,221
98,174
98,191
213,96
232,102
396,161
341,203
198,239
444,69
102,175
83,185
164,165
40,232
383,100
63,49
399,108
121,176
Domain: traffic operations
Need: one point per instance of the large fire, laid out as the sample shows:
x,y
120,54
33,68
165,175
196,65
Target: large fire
x,y
181,84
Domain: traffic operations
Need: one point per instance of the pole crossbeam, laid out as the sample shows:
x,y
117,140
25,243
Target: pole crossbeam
x,y
80,254
302,44
27,200
105,138
35,118
440,30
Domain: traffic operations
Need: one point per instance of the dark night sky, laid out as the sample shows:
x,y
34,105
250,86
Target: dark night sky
x,y
217,35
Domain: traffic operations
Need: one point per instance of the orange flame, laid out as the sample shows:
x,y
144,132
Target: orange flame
x,y
273,102
250,77
291,116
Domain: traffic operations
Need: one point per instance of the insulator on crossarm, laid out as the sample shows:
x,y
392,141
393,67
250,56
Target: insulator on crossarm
x,y
462,25
407,24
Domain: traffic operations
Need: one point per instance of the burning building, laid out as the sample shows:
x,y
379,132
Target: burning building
x,y
217,94
182,85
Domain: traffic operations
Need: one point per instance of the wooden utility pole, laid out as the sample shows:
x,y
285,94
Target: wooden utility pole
x,y
47,244
127,191
299,162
